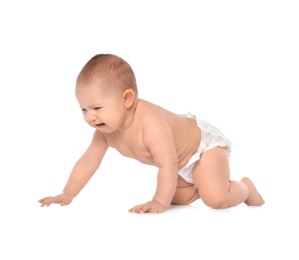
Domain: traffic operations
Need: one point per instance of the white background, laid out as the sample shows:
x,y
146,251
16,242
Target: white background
x,y
233,63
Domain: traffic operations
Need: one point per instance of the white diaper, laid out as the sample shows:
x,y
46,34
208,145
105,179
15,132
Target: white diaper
x,y
210,137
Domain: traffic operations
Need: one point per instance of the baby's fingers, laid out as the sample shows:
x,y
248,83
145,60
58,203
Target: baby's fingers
x,y
47,201
143,208
136,209
147,208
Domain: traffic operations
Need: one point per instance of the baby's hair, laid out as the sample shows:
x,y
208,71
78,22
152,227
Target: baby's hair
x,y
110,67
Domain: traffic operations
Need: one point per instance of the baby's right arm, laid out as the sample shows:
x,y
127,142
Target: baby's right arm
x,y
83,170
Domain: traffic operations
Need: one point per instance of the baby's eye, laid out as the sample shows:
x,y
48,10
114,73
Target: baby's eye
x,y
83,110
97,108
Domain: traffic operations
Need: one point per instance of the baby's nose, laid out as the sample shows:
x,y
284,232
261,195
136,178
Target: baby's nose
x,y
91,117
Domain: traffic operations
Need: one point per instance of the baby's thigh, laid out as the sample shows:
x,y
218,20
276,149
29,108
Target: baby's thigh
x,y
185,193
211,174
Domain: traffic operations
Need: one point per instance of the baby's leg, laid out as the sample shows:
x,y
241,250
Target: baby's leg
x,y
254,198
185,193
212,179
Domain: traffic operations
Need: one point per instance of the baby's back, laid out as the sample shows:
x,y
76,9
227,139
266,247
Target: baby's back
x,y
186,134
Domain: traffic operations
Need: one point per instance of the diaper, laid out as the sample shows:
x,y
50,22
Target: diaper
x,y
210,137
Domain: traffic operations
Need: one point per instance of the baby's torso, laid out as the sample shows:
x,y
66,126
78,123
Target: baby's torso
x,y
186,135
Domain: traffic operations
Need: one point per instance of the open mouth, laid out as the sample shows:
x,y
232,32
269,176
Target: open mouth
x,y
100,125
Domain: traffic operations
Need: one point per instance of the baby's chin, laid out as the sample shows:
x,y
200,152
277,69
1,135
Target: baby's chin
x,y
103,128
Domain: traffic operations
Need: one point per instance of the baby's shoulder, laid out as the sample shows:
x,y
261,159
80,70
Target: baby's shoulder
x,y
149,112
147,108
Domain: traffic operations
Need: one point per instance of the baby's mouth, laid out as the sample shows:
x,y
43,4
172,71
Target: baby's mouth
x,y
99,125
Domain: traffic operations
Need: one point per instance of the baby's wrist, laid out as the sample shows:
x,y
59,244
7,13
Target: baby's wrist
x,y
160,204
69,192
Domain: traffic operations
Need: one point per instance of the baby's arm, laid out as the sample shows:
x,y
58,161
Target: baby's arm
x,y
83,170
159,140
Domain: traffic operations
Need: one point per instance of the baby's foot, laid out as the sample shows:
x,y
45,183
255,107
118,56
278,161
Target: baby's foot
x,y
254,198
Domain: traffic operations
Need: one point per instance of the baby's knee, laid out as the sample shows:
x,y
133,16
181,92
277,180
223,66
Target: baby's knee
x,y
216,202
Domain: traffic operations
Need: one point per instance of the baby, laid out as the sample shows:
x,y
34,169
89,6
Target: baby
x,y
191,155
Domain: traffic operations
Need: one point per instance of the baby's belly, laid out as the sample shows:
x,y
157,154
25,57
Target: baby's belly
x,y
187,142
184,157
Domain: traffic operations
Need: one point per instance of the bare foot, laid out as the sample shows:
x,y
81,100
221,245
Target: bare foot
x,y
254,198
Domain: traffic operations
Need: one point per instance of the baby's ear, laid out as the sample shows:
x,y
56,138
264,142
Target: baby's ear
x,y
128,98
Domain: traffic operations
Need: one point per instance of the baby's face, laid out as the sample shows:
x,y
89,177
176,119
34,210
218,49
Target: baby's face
x,y
102,107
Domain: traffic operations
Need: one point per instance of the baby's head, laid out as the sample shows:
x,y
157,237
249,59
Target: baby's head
x,y
106,91
111,69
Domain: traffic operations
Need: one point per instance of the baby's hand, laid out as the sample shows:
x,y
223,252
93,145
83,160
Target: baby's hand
x,y
62,199
151,206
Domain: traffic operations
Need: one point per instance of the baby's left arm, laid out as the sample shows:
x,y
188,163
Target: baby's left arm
x,y
159,141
